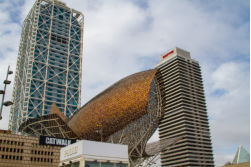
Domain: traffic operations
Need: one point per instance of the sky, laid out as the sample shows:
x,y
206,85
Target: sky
x,y
125,37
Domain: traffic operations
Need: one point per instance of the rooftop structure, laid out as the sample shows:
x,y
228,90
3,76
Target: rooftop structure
x,y
241,156
49,62
90,153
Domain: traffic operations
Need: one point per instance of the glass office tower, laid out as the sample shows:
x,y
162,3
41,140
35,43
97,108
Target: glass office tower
x,y
49,62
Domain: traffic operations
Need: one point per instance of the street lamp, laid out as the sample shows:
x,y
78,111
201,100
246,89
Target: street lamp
x,y
6,82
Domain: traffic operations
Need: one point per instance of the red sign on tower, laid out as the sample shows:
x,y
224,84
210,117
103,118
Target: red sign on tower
x,y
167,54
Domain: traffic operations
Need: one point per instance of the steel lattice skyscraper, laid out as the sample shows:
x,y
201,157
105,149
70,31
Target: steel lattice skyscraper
x,y
49,64
184,111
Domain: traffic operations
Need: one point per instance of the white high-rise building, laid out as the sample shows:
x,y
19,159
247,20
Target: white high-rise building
x,y
184,111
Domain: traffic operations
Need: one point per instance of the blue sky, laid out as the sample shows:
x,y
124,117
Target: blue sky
x,y
125,37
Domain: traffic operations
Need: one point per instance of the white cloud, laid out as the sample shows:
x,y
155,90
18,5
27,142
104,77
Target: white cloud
x,y
9,39
25,8
231,76
229,110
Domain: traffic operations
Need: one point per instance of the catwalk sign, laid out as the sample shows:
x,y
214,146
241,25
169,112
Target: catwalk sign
x,y
46,140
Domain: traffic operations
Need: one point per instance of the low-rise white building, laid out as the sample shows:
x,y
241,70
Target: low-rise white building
x,y
85,153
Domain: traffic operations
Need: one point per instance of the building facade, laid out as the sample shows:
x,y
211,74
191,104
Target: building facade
x,y
85,153
184,111
49,62
24,151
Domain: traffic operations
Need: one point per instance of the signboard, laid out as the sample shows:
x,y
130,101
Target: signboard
x,y
46,140
167,54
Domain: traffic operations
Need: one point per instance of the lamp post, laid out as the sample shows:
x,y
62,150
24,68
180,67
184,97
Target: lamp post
x,y
6,82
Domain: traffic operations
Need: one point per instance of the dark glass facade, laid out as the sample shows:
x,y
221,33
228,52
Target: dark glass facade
x,y
49,63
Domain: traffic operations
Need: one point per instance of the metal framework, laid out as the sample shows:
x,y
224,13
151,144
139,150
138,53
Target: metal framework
x,y
53,125
137,133
128,113
154,149
49,62
50,125
114,108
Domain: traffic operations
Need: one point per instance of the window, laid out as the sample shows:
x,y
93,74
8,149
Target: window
x,y
61,17
75,164
106,164
91,164
121,165
58,39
